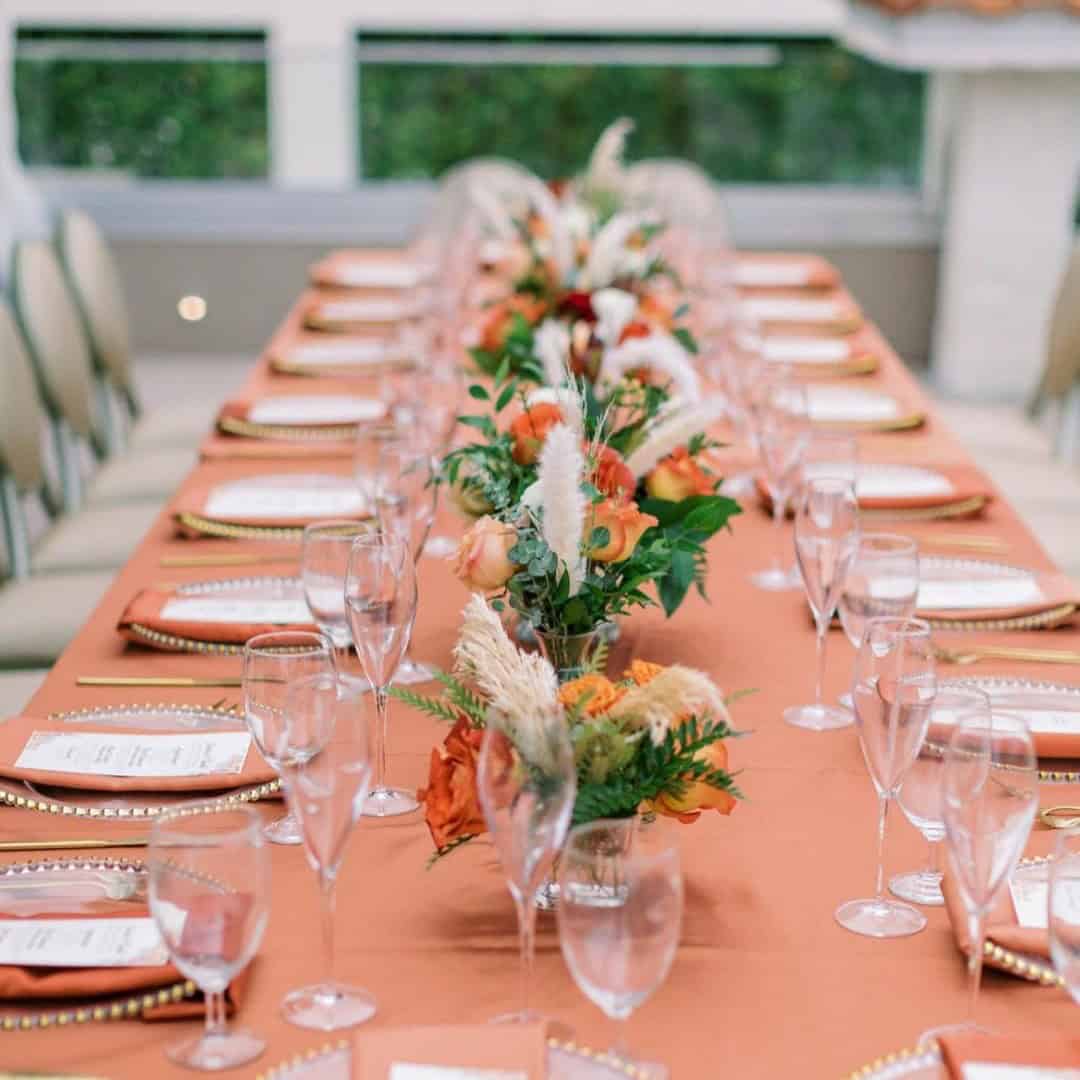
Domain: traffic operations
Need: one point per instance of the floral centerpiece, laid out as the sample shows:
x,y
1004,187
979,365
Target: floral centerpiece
x,y
653,741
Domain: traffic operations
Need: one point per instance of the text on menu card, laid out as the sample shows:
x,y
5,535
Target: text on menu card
x,y
81,943
226,609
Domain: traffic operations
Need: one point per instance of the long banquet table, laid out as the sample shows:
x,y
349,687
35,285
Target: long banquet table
x,y
765,984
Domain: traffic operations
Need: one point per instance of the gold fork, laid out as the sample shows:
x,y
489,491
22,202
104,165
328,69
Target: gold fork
x,y
975,653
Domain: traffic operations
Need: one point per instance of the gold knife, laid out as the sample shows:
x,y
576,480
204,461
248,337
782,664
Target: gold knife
x,y
238,559
71,845
156,680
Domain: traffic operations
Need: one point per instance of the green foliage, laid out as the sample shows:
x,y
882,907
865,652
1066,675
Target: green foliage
x,y
457,701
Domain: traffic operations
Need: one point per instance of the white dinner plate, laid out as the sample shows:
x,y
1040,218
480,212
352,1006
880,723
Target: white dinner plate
x,y
307,409
1049,708
923,1063
155,717
975,584
276,600
300,497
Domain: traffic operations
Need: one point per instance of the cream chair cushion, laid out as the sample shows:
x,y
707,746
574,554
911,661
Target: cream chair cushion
x,y
17,688
21,418
97,538
185,424
40,615
140,477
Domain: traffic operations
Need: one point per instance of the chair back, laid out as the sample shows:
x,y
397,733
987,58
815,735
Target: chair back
x,y
99,293
1062,368
21,418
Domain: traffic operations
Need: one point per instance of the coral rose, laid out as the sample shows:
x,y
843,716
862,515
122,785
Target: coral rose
x,y
678,477
530,429
451,806
653,309
612,476
500,318
635,329
625,524
482,560
601,692
698,795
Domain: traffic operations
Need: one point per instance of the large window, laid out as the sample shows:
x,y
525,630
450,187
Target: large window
x,y
187,106
749,112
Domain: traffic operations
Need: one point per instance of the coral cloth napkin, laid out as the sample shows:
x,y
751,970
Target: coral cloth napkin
x,y
960,1052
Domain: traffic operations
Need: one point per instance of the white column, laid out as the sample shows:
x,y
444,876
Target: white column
x,y
313,120
1008,212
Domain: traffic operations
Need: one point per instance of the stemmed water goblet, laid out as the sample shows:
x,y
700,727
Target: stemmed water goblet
x,y
894,688
209,894
526,781
990,794
327,792
1063,911
380,602
620,914
826,538
271,662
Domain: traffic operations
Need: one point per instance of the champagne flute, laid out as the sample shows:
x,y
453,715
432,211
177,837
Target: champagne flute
x,y
781,435
271,662
894,690
1063,911
526,782
324,560
380,602
620,914
826,538
209,894
921,794
990,797
327,793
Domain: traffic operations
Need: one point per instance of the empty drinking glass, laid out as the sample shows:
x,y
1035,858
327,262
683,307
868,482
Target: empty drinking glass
x,y
327,794
380,601
324,561
209,894
921,794
620,915
526,781
826,538
271,662
830,453
894,689
1063,915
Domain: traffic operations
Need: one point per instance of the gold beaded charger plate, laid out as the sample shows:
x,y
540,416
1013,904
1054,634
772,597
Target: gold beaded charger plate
x,y
918,1063
84,888
566,1061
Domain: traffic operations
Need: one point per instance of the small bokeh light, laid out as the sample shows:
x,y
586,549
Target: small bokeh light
x,y
191,308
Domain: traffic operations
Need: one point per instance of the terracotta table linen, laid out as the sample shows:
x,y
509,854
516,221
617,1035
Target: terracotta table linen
x,y
765,984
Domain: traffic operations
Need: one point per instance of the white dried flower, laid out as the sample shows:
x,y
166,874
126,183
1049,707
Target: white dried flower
x,y
494,213
560,243
552,344
672,432
607,250
676,692
660,352
562,467
605,171
614,309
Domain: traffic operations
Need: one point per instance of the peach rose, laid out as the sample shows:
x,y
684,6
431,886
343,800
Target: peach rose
x,y
678,477
451,806
482,559
500,317
612,476
698,795
602,693
530,429
656,311
625,524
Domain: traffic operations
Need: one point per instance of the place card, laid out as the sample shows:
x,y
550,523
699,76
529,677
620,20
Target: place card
x,y
790,309
833,404
805,350
282,610
1044,721
120,754
766,273
315,409
980,1070
399,1071
975,593
81,943
258,502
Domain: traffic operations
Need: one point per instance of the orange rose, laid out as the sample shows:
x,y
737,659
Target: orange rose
x,y
601,691
635,329
482,559
678,477
451,806
642,672
625,524
612,476
656,311
530,429
500,317
698,795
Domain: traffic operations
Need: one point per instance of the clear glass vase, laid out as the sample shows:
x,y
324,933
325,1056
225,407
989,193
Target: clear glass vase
x,y
569,654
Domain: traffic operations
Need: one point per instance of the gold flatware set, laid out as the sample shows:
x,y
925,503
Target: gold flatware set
x,y
176,681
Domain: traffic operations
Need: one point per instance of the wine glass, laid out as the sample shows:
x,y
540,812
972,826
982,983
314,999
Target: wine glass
x,y
883,579
327,793
620,914
781,436
894,688
271,662
380,602
324,560
826,538
209,895
526,782
1063,914
921,793
990,797
830,453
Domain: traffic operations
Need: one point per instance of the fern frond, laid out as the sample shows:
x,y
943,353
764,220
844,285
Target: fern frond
x,y
597,663
467,701
446,849
435,707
